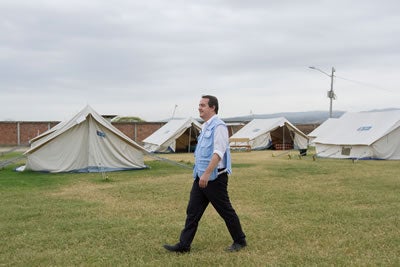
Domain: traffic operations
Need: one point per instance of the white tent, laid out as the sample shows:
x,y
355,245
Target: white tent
x,y
362,135
277,133
85,143
321,130
177,135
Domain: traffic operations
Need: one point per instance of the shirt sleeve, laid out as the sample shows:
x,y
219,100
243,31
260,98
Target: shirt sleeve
x,y
221,140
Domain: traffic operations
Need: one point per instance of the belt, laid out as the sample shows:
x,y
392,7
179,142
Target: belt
x,y
221,171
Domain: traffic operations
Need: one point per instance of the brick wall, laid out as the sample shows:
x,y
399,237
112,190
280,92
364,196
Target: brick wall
x,y
19,133
307,128
145,130
29,130
138,131
8,133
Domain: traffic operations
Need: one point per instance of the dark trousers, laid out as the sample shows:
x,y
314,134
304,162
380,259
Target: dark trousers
x,y
216,192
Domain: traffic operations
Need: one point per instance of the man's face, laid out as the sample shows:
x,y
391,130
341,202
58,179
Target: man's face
x,y
205,112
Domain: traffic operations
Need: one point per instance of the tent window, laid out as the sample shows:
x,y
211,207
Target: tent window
x,y
346,151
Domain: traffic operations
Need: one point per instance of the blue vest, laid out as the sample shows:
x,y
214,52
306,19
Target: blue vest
x,y
205,148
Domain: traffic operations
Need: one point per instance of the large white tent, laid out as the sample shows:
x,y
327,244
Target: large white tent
x,y
362,135
177,135
321,130
85,143
276,133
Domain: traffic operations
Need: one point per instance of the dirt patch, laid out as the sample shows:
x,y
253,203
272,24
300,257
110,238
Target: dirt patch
x,y
85,191
95,193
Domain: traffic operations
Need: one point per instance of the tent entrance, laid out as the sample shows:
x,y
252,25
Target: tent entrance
x,y
282,138
187,141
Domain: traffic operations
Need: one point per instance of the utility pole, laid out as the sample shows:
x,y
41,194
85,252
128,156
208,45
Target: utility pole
x,y
331,93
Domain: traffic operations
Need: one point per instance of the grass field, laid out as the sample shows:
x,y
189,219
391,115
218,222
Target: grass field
x,y
296,212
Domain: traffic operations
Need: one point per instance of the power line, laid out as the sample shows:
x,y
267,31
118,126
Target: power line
x,y
365,84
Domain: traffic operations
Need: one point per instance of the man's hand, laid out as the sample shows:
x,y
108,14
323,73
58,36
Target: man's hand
x,y
204,180
211,166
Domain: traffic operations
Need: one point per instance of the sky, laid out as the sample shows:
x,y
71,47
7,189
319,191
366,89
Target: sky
x,y
154,59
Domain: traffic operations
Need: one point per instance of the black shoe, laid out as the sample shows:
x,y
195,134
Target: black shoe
x,y
236,246
177,248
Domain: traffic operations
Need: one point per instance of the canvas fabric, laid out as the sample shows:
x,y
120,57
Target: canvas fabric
x,y
86,143
164,139
361,135
258,132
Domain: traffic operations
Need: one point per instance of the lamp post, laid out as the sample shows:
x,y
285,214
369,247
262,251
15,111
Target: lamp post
x,y
331,94
173,113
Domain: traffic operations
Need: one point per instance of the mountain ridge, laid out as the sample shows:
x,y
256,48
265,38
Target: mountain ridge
x,y
303,117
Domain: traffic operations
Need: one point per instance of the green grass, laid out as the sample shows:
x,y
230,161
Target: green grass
x,y
296,212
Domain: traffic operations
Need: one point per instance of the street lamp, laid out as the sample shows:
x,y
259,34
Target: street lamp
x,y
173,113
331,94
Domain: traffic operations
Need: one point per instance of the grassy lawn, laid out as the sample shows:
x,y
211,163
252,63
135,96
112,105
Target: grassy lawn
x,y
297,212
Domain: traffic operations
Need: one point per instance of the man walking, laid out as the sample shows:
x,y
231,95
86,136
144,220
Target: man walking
x,y
212,166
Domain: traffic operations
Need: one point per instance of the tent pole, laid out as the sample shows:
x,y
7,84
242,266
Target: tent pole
x,y
190,138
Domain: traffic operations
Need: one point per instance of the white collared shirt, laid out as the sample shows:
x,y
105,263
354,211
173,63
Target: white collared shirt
x,y
221,141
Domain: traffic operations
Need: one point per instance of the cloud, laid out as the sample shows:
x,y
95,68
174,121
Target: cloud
x,y
142,58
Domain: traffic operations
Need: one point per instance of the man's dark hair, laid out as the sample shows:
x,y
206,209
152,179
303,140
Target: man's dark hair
x,y
212,102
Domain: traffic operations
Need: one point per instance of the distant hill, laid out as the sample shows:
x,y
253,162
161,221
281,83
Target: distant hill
x,y
306,117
